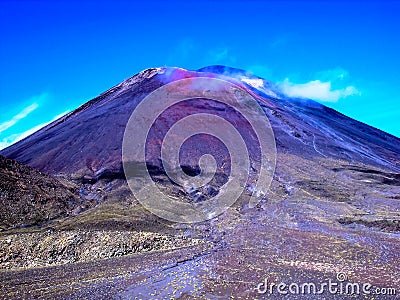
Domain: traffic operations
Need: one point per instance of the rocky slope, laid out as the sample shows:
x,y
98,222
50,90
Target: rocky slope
x,y
29,197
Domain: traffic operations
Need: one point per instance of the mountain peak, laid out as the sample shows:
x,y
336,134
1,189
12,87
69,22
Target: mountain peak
x,y
300,127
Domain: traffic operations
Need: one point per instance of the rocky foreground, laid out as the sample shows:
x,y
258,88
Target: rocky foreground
x,y
51,248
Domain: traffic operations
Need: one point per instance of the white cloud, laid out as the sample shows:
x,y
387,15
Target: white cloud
x,y
317,90
258,83
14,120
254,82
8,141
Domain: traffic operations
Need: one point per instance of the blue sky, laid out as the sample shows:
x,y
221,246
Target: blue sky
x,y
56,55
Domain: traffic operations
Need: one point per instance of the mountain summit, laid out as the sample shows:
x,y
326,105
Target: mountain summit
x,y
89,138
